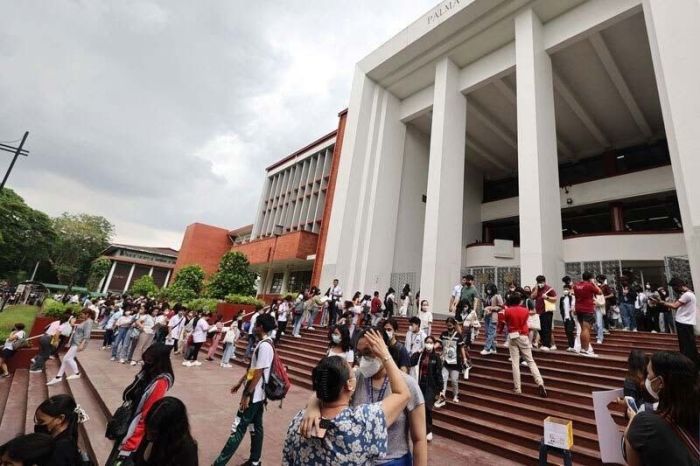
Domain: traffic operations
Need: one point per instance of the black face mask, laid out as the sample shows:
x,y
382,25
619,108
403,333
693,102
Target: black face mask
x,y
41,429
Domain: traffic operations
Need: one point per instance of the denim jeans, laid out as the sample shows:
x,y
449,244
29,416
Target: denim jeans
x,y
312,318
118,340
228,352
628,318
490,325
251,346
297,324
125,349
599,313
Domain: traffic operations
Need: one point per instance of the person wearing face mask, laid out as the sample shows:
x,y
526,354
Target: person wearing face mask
x,y
374,385
428,365
391,326
168,440
454,359
567,303
686,317
665,313
150,385
59,416
426,317
122,342
415,339
340,344
145,323
670,434
493,304
585,292
78,342
545,298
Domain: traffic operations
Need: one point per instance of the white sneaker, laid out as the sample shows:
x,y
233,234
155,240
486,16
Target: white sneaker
x,y
121,361
132,363
588,354
571,350
297,336
187,363
654,331
112,358
196,363
523,363
600,342
484,352
553,347
455,399
74,376
429,437
544,348
310,328
54,381
228,365
626,329
634,330
440,402
493,351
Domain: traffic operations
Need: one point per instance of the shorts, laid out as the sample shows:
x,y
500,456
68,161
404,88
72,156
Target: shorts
x,y
7,353
585,317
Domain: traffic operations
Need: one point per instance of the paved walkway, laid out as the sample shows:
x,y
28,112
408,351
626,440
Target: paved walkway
x,y
211,407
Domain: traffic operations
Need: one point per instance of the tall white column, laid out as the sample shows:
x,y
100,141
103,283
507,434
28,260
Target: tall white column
x,y
167,279
109,277
128,279
285,281
541,244
674,38
442,237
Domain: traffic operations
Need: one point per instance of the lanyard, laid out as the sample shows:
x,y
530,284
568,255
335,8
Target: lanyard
x,y
370,389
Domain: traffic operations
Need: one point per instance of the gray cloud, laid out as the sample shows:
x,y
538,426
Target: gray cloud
x,y
160,114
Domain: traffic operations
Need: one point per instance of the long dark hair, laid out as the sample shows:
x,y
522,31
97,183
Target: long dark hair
x,y
328,377
29,449
62,405
679,399
637,366
344,337
168,427
156,362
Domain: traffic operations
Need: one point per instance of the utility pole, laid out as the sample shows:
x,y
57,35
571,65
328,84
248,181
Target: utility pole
x,y
17,150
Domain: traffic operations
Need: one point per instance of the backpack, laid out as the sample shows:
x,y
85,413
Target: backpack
x,y
278,384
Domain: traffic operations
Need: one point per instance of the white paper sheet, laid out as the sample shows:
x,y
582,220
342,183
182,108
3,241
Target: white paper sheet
x,y
609,435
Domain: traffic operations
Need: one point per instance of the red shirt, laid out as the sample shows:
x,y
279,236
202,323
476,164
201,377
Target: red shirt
x,y
541,293
516,319
375,305
584,293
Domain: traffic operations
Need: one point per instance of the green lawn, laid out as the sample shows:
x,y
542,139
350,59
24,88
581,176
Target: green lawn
x,y
13,314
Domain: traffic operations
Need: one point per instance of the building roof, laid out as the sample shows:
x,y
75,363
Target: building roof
x,y
241,230
303,149
170,252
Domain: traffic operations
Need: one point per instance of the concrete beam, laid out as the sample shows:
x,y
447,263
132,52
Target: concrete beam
x,y
567,94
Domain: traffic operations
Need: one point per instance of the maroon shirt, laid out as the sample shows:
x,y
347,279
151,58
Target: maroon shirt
x,y
585,293
546,290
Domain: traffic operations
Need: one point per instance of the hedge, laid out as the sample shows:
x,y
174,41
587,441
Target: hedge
x,y
249,300
53,308
207,305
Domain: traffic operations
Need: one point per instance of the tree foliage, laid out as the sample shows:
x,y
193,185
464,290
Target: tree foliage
x,y
79,240
26,235
144,286
233,277
98,269
188,285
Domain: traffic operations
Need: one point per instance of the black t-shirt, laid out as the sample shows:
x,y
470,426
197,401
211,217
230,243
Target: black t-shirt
x,y
65,452
404,357
452,344
656,441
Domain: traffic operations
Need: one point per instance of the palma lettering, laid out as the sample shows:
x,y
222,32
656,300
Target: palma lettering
x,y
443,10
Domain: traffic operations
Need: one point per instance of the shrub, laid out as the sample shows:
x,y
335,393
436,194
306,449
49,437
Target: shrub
x,y
233,277
56,309
177,294
207,305
249,300
144,286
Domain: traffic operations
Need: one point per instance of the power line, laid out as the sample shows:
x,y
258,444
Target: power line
x,y
18,151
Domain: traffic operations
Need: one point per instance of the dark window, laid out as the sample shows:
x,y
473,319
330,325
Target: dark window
x,y
503,229
661,214
643,157
276,287
588,219
299,281
500,189
592,168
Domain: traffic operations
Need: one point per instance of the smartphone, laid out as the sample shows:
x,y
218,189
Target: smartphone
x,y
320,431
631,404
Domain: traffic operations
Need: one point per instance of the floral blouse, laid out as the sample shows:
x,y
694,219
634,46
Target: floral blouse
x,y
357,437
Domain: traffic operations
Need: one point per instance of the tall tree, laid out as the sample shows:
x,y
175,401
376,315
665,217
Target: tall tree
x,y
188,284
80,239
98,269
26,235
233,277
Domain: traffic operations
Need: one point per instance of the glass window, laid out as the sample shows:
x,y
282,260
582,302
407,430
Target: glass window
x,y
656,214
504,229
500,189
642,157
299,281
277,279
588,219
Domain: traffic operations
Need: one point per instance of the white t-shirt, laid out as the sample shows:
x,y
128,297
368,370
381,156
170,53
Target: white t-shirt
x,y
177,322
282,312
262,359
457,291
426,320
199,335
687,313
415,341
54,328
147,321
348,355
253,318
19,334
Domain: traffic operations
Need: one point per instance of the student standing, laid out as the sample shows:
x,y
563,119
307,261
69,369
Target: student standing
x,y
78,342
545,298
429,370
686,317
585,292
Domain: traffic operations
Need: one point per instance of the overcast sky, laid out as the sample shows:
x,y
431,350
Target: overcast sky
x,y
158,114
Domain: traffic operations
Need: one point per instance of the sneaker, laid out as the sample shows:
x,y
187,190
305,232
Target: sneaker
x,y
606,332
541,391
5,375
429,437
196,363
122,361
228,366
132,363
523,363
35,371
33,360
440,402
517,391
544,348
654,331
54,381
297,336
634,330
626,329
74,376
570,350
187,363
310,328
553,347
600,342
588,354
484,352
102,348
455,399
112,358
493,351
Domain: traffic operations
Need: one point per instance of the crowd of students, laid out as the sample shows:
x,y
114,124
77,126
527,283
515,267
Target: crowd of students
x,y
374,393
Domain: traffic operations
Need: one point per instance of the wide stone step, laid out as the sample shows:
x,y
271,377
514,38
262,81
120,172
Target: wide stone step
x,y
14,416
37,392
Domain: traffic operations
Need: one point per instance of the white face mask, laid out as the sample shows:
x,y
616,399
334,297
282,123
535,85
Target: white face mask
x,y
652,392
540,285
424,308
335,339
369,366
429,346
389,334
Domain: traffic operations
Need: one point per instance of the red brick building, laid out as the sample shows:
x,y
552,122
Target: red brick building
x,y
285,245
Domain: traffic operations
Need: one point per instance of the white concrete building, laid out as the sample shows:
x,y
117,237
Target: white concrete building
x,y
568,129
